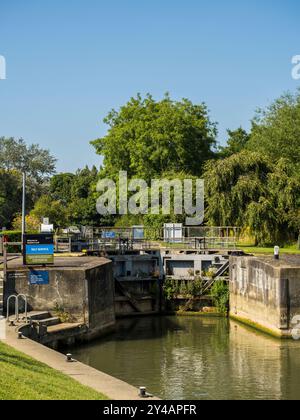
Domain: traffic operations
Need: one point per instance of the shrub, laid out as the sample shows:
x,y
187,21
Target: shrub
x,y
220,295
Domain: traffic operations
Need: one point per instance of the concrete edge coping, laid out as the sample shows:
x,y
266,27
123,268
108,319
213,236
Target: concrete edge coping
x,y
113,388
263,259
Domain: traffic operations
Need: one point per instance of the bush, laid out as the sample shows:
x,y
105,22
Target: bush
x,y
32,223
12,236
220,295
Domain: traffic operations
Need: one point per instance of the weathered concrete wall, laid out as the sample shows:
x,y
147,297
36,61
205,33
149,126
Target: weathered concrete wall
x,y
66,290
136,265
265,292
101,294
146,305
83,288
181,264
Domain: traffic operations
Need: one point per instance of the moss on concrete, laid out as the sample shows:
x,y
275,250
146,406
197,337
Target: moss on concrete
x,y
195,314
261,328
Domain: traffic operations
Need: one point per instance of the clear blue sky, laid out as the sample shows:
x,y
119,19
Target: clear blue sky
x,y
69,62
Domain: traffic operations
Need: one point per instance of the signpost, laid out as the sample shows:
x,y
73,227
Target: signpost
x,y
38,249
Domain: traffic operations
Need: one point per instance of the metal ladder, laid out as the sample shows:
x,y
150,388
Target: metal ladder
x,y
17,313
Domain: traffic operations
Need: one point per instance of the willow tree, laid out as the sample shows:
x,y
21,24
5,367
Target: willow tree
x,y
250,191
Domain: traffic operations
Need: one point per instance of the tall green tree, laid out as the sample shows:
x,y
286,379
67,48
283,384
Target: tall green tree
x,y
61,187
15,154
10,196
47,206
17,157
147,138
236,142
276,130
71,199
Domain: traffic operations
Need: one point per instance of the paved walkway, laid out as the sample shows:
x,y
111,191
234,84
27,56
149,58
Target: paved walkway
x,y
113,388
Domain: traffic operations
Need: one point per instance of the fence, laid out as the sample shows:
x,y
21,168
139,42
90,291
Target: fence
x,y
112,238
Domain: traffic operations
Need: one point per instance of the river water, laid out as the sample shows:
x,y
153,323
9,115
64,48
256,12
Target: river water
x,y
192,358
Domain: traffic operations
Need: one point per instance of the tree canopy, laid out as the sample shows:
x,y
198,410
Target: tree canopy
x,y
147,138
70,200
251,191
16,157
10,196
252,182
276,129
15,154
236,142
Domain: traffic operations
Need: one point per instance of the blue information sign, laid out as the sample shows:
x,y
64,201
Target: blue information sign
x,y
39,249
109,235
38,277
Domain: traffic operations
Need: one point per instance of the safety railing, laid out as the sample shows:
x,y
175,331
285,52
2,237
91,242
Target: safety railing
x,y
17,307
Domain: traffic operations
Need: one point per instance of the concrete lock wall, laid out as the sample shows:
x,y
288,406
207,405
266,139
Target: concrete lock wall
x,y
135,265
85,292
65,291
101,295
182,264
265,293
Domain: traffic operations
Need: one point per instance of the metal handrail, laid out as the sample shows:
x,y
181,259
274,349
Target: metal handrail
x,y
26,305
7,306
17,297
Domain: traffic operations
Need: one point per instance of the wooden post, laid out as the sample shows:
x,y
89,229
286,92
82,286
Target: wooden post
x,y
4,261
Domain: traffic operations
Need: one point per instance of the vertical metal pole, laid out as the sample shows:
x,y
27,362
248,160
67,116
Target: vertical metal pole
x,y
4,261
24,205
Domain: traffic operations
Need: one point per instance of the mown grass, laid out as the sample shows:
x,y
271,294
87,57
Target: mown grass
x,y
249,248
23,378
292,249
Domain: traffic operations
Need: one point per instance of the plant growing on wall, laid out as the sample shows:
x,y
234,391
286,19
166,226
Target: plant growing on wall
x,y
197,287
220,295
61,313
170,289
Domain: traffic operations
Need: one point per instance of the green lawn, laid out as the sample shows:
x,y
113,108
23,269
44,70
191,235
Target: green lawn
x,y
265,251
292,249
22,378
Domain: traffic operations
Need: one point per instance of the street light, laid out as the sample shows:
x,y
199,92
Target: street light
x,y
24,206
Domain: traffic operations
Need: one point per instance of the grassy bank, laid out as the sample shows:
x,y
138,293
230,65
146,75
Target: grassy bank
x,y
23,378
293,249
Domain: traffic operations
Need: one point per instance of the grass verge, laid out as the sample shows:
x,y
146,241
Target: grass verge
x,y
269,250
23,378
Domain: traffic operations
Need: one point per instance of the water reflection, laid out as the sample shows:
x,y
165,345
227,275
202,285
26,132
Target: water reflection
x,y
197,358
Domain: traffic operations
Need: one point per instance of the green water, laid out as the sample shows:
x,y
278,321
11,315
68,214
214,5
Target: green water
x,y
197,359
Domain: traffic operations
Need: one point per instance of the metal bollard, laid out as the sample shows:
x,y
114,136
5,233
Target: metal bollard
x,y
69,358
20,335
143,392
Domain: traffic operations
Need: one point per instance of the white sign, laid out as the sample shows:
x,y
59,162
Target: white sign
x,y
173,232
47,228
